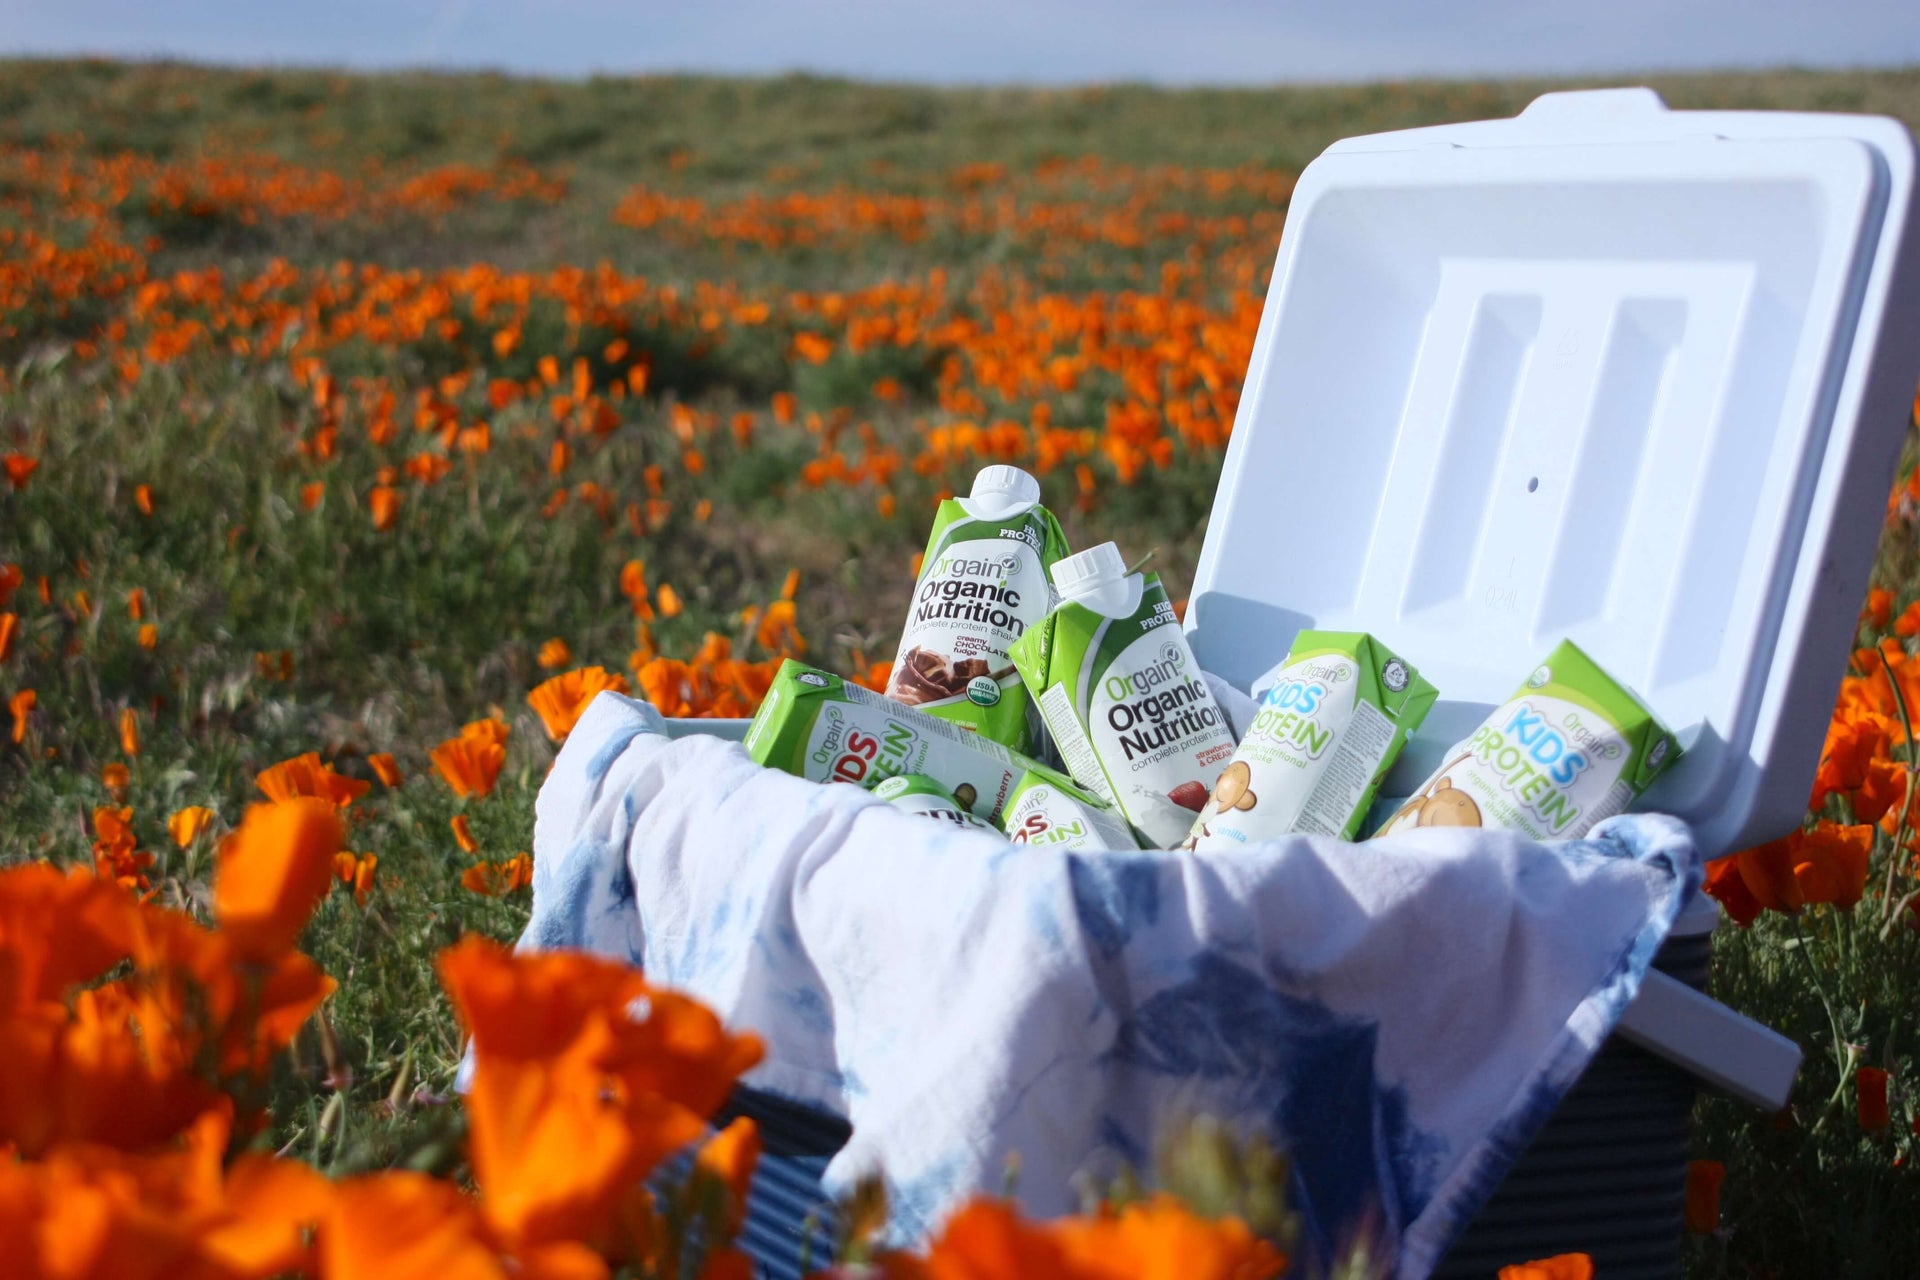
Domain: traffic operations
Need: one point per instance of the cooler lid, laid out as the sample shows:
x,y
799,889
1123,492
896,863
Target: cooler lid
x,y
1605,371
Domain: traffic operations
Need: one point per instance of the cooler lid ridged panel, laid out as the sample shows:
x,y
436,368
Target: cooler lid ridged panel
x,y
1594,372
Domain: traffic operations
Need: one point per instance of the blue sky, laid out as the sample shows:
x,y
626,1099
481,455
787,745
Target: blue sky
x,y
991,41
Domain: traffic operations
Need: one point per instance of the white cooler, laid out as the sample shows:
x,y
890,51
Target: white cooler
x,y
1604,371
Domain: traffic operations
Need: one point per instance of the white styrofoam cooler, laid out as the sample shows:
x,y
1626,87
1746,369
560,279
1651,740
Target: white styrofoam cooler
x,y
1605,371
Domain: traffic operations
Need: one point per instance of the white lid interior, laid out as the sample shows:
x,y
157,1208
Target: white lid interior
x,y
1601,371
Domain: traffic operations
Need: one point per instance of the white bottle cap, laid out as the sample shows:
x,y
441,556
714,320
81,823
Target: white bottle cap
x,y
1090,570
1006,487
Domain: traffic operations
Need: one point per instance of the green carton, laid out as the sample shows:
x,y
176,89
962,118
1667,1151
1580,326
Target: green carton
x,y
1331,721
1571,747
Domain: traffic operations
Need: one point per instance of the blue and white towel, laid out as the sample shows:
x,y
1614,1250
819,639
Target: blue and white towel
x,y
1401,1015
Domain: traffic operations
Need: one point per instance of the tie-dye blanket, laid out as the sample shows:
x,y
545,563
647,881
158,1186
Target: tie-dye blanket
x,y
1402,1015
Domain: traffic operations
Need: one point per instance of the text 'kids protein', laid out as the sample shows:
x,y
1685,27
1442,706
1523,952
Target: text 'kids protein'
x,y
983,583
1331,720
1569,748
1123,696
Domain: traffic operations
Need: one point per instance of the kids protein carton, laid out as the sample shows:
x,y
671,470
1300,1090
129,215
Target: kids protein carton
x,y
983,583
1569,748
1332,719
1049,812
918,794
815,725
1122,695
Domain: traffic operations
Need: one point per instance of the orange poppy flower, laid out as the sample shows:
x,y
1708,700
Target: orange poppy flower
x,y
405,1226
129,731
1879,609
555,653
558,457
384,768
562,700
1870,1091
149,635
1156,1239
785,407
1703,1196
273,872
383,502
21,706
311,494
471,762
463,834
1565,1266
272,1208
143,498
668,600
186,825
306,775
9,628
731,1156
19,468
498,879
115,777
356,873
554,1148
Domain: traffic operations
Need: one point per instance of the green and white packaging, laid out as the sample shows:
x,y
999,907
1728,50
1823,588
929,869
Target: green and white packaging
x,y
1049,812
1570,748
1123,696
815,725
918,794
1331,720
983,584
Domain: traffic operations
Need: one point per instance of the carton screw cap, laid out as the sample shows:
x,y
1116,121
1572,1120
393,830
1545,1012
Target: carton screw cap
x,y
1009,484
1090,570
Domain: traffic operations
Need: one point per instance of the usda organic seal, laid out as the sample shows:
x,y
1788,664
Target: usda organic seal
x,y
983,691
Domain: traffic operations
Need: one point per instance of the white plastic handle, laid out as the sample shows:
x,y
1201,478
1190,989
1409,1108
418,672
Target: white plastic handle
x,y
1753,1063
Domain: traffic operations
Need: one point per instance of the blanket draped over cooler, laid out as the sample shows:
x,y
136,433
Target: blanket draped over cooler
x,y
1401,1015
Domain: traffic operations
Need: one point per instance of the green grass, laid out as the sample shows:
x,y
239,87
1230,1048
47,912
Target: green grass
x,y
398,638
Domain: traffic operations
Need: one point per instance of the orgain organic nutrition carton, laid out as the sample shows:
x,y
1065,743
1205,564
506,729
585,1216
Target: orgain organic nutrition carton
x,y
983,582
1123,696
921,796
815,725
1331,719
1569,748
1048,812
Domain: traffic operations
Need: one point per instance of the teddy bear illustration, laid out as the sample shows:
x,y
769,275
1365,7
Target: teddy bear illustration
x,y
1440,805
1230,794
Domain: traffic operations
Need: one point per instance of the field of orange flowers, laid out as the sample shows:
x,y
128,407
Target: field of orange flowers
x,y
356,432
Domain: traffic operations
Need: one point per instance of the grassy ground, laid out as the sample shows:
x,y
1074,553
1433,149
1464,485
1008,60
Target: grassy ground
x,y
729,329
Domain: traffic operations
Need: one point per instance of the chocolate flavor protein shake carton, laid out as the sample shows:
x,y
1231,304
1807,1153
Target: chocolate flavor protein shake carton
x,y
1569,748
1331,720
983,583
1123,696
1048,812
920,795
815,725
